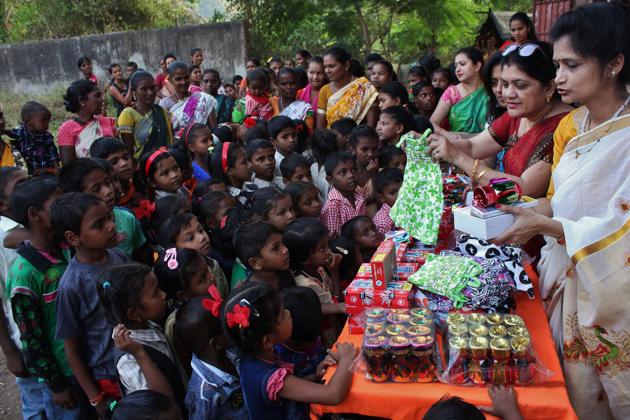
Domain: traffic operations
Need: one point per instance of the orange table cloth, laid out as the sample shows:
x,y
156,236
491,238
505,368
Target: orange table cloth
x,y
397,401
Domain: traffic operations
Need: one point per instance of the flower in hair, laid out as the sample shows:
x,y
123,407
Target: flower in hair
x,y
249,122
170,258
213,303
299,128
238,316
144,210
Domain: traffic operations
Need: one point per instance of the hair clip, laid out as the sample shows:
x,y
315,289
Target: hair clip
x,y
213,303
299,128
239,315
249,122
112,405
144,210
106,284
342,250
170,258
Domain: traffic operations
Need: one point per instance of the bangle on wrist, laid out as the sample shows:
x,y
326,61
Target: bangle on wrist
x,y
473,175
97,400
481,174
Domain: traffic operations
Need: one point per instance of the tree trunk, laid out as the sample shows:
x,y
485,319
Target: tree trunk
x,y
365,30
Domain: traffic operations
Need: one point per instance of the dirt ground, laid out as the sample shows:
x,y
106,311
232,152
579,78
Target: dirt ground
x,y
9,394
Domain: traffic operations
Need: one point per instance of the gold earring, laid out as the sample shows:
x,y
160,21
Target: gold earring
x,y
548,99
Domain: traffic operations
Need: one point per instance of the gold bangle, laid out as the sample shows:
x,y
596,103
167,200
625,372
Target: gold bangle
x,y
481,174
474,171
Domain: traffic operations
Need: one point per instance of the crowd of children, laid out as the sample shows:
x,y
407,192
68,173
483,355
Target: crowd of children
x,y
191,263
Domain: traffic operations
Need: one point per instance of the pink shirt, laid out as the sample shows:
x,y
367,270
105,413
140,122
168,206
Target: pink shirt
x,y
71,133
338,210
382,220
451,95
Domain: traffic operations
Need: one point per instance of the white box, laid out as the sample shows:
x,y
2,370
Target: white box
x,y
488,228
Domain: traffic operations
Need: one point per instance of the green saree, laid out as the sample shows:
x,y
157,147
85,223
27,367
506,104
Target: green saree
x,y
469,114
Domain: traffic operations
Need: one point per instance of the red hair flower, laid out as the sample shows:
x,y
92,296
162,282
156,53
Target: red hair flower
x,y
299,128
144,210
249,122
238,316
213,303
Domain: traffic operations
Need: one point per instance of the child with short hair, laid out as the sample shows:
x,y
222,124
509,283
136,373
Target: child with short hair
x,y
256,101
145,405
283,136
386,186
34,142
86,224
214,390
364,142
165,208
351,260
133,303
342,129
274,206
392,124
305,199
260,154
344,201
362,230
213,208
255,320
90,176
260,248
229,163
304,350
295,167
32,284
323,144
441,78
162,175
425,98
392,157
197,140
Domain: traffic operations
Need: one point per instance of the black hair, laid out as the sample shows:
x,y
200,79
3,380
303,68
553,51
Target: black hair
x,y
6,174
172,227
176,65
119,288
223,133
323,144
362,131
317,59
349,227
254,60
297,189
337,159
306,313
421,123
390,69
31,109
418,71
82,60
216,167
430,62
371,57
598,30
172,281
264,306
396,89
250,238
279,123
344,125
538,66
301,238
169,55
258,131
255,145
137,76
73,173
304,53
387,154
472,53
195,326
287,70
214,72
493,61
340,54
77,91
522,16
235,81
103,147
222,238
290,163
132,64
453,408
32,193
209,205
417,88
347,265
263,200
386,177
165,208
301,77
193,67
302,132
67,212
194,50
356,68
401,116
146,405
258,75
445,72
275,59
189,134
145,173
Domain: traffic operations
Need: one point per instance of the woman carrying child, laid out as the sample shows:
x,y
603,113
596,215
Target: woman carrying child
x,y
286,104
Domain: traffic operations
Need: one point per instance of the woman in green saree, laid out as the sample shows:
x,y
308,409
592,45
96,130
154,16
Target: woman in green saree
x,y
463,107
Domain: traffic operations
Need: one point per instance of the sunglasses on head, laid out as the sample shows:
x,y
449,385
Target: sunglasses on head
x,y
524,50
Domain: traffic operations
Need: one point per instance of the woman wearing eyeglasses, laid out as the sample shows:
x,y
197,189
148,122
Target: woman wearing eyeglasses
x,y
585,266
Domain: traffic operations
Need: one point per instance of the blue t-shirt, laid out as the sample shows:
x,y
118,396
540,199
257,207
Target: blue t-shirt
x,y
255,375
304,362
199,173
81,316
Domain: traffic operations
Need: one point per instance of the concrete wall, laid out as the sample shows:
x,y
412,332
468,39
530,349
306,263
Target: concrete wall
x,y
37,66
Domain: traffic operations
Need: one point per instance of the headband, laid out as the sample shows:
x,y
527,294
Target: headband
x,y
186,132
224,157
151,158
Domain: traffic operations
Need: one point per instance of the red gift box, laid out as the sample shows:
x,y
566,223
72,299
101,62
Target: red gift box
x,y
401,248
403,271
383,264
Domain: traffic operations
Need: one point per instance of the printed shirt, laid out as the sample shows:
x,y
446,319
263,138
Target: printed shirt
x,y
305,362
382,220
338,210
32,284
130,236
39,150
213,394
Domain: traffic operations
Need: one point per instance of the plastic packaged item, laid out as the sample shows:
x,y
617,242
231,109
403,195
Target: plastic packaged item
x,y
399,345
489,349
